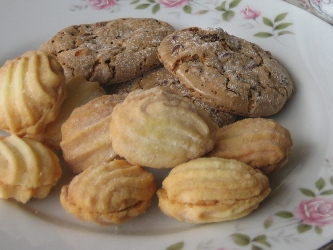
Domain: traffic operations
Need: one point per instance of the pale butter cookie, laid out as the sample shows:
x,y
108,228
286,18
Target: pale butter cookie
x,y
227,72
158,128
28,169
32,89
109,194
109,52
86,139
261,143
212,190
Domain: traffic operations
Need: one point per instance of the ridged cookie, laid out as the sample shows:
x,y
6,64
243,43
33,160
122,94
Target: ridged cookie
x,y
227,72
158,128
32,89
28,169
109,194
109,52
162,77
86,139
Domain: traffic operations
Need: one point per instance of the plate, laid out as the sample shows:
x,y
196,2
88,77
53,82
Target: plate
x,y
298,214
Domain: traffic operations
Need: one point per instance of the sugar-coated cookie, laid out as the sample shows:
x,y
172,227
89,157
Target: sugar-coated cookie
x,y
109,52
227,72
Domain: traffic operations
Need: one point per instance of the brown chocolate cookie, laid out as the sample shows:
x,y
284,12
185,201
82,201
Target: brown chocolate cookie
x,y
226,72
162,77
109,52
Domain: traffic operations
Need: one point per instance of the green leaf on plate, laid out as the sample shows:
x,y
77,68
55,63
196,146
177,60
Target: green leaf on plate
x,y
228,15
302,228
156,8
201,12
331,180
268,22
187,9
268,223
135,1
320,184
222,7
307,192
318,230
241,239
263,34
280,17
282,26
254,247
262,239
285,32
142,6
176,246
327,192
151,1
234,3
285,214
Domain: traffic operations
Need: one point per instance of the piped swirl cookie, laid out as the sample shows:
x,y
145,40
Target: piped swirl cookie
x,y
212,190
109,194
28,169
32,89
227,72
86,139
158,128
109,52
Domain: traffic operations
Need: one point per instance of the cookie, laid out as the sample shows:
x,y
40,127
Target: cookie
x,y
32,89
261,143
85,134
109,52
162,77
29,169
107,194
212,189
227,72
158,128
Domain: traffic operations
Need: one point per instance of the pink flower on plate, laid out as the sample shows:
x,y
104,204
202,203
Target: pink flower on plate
x,y
173,3
102,4
250,13
317,211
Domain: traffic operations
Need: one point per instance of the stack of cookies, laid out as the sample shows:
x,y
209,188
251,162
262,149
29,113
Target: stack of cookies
x,y
132,94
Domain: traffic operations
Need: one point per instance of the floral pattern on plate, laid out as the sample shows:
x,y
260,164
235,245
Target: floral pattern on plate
x,y
228,9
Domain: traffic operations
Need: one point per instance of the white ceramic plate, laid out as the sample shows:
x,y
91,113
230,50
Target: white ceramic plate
x,y
298,214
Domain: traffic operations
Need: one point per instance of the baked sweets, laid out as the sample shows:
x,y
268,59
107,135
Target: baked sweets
x,y
109,52
261,143
86,138
28,169
226,72
162,77
79,91
212,190
31,92
158,128
109,194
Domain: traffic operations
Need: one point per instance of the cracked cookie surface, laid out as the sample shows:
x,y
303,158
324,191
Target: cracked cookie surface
x,y
109,52
227,72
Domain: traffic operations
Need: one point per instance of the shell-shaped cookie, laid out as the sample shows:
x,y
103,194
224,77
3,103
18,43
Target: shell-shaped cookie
x,y
158,128
86,138
79,92
261,143
31,92
109,194
212,190
28,169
